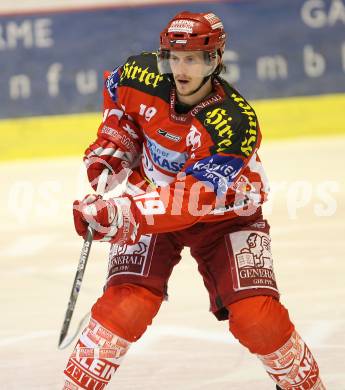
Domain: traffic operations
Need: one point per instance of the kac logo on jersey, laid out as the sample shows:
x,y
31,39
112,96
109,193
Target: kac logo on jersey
x,y
216,171
193,138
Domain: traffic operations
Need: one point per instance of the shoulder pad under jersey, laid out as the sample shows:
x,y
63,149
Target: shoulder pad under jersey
x,y
141,72
231,123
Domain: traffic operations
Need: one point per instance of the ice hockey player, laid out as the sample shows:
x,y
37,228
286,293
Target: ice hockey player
x,y
191,141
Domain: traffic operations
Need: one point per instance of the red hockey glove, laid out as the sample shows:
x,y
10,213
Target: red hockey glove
x,y
113,220
105,154
117,147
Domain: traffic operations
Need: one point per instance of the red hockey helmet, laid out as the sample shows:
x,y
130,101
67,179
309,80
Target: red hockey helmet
x,y
194,31
189,31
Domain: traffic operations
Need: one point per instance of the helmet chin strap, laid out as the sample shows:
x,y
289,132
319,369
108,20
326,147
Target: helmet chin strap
x,y
204,81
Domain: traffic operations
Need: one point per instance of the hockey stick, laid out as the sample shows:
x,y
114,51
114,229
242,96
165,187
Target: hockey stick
x,y
85,251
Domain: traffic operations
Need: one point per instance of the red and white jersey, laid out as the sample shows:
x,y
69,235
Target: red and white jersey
x,y
202,165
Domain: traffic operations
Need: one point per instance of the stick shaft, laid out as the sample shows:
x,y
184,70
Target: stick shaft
x,y
84,255
77,283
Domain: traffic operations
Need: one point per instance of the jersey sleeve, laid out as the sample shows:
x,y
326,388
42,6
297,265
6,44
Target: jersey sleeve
x,y
117,126
217,157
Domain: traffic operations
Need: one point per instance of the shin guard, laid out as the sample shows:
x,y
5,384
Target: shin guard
x,y
95,358
293,366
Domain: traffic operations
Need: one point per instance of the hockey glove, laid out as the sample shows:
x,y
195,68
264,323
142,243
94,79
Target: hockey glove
x,y
113,220
117,147
105,154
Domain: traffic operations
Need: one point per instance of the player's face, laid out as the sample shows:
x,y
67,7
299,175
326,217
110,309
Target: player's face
x,y
189,69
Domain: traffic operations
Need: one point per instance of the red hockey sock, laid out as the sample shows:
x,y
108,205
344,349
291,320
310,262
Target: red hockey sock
x,y
95,358
119,317
262,324
293,366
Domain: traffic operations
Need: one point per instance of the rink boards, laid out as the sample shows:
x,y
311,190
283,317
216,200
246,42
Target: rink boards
x,y
52,62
